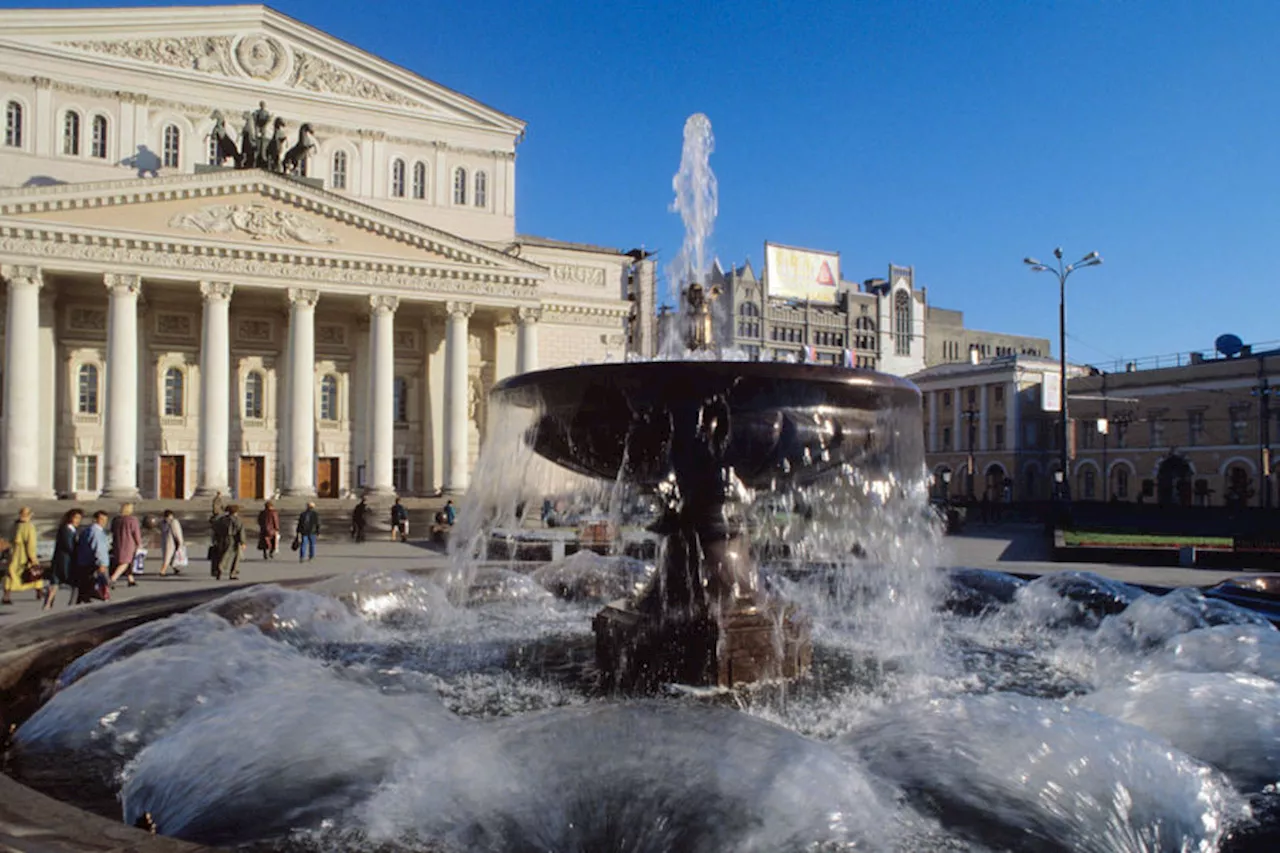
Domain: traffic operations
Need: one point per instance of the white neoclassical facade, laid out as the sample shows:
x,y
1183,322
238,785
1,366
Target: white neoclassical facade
x,y
173,327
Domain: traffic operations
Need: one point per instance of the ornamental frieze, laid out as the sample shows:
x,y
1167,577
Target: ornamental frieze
x,y
314,74
590,276
210,54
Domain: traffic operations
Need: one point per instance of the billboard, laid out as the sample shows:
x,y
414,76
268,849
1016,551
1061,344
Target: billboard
x,y
802,273
1051,392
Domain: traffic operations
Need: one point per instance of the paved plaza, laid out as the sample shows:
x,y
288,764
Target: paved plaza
x,y
1016,549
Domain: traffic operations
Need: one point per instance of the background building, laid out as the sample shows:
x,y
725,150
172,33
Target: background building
x,y
1193,434
803,305
172,327
987,416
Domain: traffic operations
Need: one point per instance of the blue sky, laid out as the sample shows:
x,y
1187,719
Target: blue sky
x,y
956,137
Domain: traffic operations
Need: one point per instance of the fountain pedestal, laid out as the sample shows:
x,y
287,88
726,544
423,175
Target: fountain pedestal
x,y
640,651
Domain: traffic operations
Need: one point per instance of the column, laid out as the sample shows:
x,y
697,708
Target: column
x,y
382,374
957,434
456,346
301,477
935,400
22,383
527,339
120,478
215,388
982,417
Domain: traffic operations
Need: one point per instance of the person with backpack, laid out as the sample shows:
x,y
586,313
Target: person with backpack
x,y
399,522
305,535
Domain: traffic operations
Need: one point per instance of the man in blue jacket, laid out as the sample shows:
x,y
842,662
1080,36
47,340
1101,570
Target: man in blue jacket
x,y
93,561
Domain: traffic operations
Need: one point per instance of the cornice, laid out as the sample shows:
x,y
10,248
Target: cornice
x,y
584,314
269,266
25,201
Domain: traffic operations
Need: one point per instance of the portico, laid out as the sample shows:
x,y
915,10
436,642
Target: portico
x,y
297,357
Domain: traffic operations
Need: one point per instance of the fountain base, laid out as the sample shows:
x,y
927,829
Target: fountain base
x,y
639,651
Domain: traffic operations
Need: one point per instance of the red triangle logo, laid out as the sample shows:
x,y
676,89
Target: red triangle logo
x,y
825,277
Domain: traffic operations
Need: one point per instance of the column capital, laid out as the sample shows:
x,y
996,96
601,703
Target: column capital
x,y
529,314
381,303
212,290
303,297
463,310
28,273
125,284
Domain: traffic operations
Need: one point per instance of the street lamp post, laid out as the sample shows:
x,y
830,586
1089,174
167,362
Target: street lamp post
x,y
972,416
1063,272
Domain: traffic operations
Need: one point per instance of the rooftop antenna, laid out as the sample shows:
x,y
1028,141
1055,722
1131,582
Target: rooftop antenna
x,y
1229,345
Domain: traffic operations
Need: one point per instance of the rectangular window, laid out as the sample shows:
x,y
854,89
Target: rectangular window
x,y
946,399
999,436
1240,425
86,474
973,396
1157,432
999,394
1195,428
946,438
1031,435
400,474
1087,429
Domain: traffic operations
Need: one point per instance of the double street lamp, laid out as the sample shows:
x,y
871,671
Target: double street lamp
x,y
1063,273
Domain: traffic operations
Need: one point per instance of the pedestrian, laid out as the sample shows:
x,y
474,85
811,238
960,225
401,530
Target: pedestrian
x,y
126,539
216,509
269,531
307,531
399,522
173,547
359,520
24,571
450,513
93,561
62,567
228,544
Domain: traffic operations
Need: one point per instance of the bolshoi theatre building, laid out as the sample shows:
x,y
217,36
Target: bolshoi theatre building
x,y
241,255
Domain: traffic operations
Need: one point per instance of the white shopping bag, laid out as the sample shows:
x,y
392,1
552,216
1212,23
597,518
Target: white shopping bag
x,y
139,561
179,557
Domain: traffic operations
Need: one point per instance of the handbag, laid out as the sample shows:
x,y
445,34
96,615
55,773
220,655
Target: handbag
x,y
296,543
32,573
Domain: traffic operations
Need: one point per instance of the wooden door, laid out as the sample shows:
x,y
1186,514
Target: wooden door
x,y
252,477
173,481
327,477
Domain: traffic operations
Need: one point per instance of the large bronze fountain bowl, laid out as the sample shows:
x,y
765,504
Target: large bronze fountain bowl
x,y
705,435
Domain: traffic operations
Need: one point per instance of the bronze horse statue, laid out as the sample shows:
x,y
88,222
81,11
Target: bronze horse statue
x,y
295,159
224,147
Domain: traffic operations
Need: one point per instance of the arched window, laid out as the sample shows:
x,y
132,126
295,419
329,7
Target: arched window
x,y
215,158
172,146
329,398
338,177
482,189
1089,488
459,185
71,133
87,390
253,395
902,323
13,124
1122,482
401,398
98,145
420,180
174,383
397,178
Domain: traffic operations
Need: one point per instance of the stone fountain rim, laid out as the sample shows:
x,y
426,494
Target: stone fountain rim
x,y
31,820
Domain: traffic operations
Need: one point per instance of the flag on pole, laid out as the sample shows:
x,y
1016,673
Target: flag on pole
x,y
848,358
810,355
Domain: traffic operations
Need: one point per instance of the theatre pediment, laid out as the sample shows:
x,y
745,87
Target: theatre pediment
x,y
243,209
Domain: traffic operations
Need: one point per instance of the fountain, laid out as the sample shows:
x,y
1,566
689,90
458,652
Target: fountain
x,y
913,708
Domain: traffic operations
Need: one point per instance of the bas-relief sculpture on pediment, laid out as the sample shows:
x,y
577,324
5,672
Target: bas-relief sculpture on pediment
x,y
258,221
256,56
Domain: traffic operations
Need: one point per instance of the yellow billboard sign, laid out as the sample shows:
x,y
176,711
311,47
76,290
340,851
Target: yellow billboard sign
x,y
801,273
